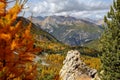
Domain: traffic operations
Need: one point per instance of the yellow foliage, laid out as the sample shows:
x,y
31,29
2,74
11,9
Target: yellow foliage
x,y
2,6
92,62
13,45
55,62
5,36
16,45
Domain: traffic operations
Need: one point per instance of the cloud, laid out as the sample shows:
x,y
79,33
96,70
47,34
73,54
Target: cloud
x,y
69,7
96,14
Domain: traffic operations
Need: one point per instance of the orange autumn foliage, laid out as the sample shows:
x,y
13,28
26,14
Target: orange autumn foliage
x,y
16,47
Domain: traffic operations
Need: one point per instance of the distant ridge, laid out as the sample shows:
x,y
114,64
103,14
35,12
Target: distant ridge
x,y
69,30
35,29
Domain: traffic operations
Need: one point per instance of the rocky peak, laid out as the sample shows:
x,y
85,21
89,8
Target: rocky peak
x,y
74,69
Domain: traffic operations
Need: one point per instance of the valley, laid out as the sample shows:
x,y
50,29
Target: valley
x,y
69,30
53,50
59,40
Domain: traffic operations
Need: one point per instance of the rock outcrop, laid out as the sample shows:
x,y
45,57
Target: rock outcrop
x,y
74,69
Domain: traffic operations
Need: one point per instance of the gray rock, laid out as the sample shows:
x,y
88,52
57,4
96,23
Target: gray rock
x,y
74,67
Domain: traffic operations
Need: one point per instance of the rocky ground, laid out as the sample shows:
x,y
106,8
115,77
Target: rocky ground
x,y
75,69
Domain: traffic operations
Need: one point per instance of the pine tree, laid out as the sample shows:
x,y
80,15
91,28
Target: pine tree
x,y
16,45
110,44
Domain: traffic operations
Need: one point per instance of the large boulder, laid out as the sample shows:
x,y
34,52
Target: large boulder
x,y
75,69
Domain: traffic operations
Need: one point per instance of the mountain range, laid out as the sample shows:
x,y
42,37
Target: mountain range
x,y
36,30
69,30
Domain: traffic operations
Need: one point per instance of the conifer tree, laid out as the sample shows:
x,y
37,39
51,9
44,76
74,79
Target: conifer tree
x,y
16,45
110,44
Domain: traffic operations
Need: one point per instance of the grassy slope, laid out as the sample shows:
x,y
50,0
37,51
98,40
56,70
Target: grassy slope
x,y
93,44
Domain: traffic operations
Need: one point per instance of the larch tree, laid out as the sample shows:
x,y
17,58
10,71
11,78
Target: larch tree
x,y
110,44
16,46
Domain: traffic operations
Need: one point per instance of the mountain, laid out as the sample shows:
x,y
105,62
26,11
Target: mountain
x,y
100,22
44,40
69,30
35,29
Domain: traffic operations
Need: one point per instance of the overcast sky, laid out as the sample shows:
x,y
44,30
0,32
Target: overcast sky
x,y
94,9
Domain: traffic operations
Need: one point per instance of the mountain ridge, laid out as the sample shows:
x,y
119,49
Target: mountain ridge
x,y
35,29
69,30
